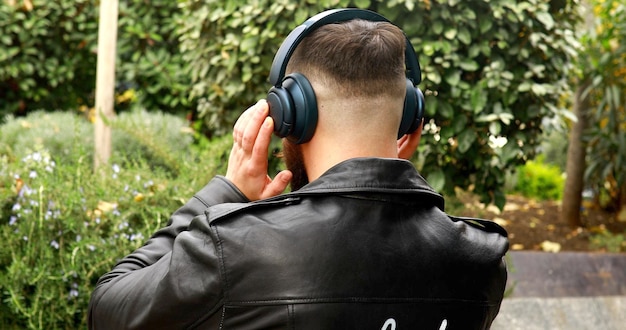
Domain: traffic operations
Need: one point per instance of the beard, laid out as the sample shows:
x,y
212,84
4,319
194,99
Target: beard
x,y
294,161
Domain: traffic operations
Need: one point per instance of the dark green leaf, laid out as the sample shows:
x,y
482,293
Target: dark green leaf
x,y
436,179
466,139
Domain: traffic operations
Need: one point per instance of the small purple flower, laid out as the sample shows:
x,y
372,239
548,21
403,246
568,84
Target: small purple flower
x,y
55,244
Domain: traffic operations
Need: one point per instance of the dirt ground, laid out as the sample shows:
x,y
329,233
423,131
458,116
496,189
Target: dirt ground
x,y
536,225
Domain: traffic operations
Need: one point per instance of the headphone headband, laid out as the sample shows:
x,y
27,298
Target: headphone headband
x,y
279,64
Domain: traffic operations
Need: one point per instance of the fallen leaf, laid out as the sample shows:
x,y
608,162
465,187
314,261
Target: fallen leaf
x,y
493,209
501,221
106,206
517,247
621,216
548,246
511,207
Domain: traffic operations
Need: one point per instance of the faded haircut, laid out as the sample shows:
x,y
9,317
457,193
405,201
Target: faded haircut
x,y
357,58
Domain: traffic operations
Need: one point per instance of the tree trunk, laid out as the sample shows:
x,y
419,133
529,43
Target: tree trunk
x,y
575,168
105,80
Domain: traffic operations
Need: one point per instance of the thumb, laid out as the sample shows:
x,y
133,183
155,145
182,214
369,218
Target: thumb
x,y
278,185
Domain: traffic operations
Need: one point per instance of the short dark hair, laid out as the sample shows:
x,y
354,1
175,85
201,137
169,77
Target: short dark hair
x,y
364,58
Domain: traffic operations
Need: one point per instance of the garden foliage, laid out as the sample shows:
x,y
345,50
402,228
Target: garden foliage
x,y
490,68
63,226
48,55
604,63
539,180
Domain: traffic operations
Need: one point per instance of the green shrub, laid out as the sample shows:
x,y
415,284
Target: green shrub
x,y
62,226
539,180
149,58
609,242
155,138
48,55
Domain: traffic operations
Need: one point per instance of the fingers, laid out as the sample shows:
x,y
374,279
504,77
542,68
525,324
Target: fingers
x,y
278,185
247,126
262,141
247,164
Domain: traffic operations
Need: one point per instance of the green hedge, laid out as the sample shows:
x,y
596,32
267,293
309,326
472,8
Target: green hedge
x,y
48,55
63,226
539,180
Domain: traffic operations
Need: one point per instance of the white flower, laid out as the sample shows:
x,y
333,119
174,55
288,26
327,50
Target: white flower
x,y
73,293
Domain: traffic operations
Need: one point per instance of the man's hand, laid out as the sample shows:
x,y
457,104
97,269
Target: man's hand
x,y
247,165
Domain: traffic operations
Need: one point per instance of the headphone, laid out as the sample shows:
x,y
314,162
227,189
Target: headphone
x,y
291,99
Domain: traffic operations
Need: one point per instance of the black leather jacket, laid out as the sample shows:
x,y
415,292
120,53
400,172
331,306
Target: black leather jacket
x,y
366,246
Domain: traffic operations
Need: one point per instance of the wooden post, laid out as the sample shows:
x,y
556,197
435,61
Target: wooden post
x,y
105,79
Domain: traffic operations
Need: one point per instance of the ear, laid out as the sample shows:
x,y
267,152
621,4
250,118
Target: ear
x,y
407,144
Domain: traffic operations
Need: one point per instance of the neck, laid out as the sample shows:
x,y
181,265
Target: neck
x,y
351,127
324,152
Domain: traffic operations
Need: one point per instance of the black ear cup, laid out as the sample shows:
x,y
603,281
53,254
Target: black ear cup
x,y
281,110
293,108
413,109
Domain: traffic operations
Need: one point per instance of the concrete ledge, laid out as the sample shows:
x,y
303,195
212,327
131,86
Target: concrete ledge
x,y
566,274
579,313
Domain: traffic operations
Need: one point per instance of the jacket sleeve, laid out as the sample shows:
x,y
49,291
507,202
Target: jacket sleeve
x,y
175,273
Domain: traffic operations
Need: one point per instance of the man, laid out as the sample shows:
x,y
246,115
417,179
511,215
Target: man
x,y
361,242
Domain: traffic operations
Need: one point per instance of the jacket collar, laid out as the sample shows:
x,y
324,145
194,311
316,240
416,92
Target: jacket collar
x,y
396,179
374,175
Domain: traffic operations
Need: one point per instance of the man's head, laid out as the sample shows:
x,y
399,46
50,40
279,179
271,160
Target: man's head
x,y
357,71
343,87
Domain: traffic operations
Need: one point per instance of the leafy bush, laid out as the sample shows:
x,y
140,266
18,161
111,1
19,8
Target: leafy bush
x,y
63,226
604,64
495,69
539,180
137,135
48,55
609,242
149,58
